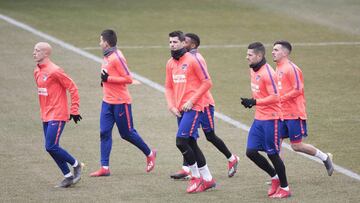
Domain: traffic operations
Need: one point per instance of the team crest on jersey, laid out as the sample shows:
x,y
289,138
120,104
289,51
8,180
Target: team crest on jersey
x,y
257,78
280,74
184,66
44,77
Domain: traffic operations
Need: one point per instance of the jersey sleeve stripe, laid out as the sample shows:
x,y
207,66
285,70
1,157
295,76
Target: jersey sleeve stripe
x,y
272,80
122,63
201,65
296,76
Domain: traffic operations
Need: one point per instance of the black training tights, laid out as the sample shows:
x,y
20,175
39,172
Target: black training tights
x,y
191,151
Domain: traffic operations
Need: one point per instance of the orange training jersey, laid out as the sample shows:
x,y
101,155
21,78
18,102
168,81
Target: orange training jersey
x,y
186,80
291,87
115,89
208,98
52,83
264,90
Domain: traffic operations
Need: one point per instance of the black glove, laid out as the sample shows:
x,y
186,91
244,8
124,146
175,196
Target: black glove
x,y
76,118
248,103
104,76
101,84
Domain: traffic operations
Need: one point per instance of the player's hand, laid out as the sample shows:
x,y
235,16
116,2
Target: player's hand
x,y
101,84
187,106
248,103
104,76
76,118
175,111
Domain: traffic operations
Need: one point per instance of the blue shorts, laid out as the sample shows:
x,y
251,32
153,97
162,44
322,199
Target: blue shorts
x,y
263,136
295,129
188,124
207,119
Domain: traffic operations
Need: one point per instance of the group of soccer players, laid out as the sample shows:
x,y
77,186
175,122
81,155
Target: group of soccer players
x,y
278,97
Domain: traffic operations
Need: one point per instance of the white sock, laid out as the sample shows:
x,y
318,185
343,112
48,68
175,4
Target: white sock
x,y
75,164
195,171
150,153
105,167
232,158
321,155
205,173
275,177
68,175
186,168
285,188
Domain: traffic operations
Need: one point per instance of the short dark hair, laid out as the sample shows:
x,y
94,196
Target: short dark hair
x,y
110,37
194,39
258,47
178,34
284,44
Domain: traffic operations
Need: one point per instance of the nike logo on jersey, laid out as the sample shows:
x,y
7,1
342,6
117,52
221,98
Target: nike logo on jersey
x,y
121,114
298,135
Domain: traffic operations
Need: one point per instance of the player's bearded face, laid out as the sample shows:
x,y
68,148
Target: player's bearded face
x,y
252,57
175,43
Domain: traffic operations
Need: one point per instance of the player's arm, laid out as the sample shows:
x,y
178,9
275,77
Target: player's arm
x,y
169,93
201,72
121,67
297,85
272,90
70,85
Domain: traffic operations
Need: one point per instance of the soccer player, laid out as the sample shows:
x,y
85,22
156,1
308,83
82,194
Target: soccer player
x,y
192,42
185,85
263,134
52,84
291,88
116,105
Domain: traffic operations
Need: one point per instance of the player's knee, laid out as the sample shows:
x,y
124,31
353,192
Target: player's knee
x,y
296,146
251,153
181,144
105,134
51,148
210,136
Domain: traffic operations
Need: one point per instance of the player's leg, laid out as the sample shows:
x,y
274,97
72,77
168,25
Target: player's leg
x,y
208,126
272,146
106,125
254,145
188,126
124,122
184,173
298,131
61,157
209,181
283,134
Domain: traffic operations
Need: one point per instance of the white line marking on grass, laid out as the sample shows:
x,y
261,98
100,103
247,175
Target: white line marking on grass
x,y
152,84
301,44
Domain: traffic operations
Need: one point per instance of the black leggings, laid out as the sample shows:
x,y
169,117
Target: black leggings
x,y
190,151
263,163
